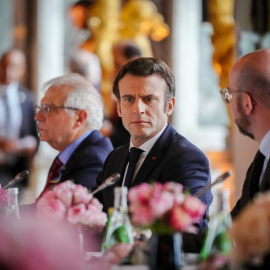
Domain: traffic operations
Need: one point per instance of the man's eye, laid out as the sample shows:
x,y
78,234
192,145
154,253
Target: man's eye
x,y
148,99
130,99
46,109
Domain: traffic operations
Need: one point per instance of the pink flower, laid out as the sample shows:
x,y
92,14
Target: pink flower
x,y
75,213
81,195
95,202
53,208
94,218
173,187
193,206
161,203
180,219
141,215
140,193
164,208
74,204
64,192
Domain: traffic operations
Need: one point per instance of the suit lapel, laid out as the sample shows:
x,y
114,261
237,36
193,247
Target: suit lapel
x,y
155,155
91,139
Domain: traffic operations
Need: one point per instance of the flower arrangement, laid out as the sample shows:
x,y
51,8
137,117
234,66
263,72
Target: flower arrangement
x,y
251,230
164,208
3,198
73,203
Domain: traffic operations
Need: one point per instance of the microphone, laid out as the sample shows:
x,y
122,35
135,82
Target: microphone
x,y
220,179
19,177
108,182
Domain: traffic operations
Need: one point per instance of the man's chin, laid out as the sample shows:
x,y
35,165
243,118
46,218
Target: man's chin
x,y
245,133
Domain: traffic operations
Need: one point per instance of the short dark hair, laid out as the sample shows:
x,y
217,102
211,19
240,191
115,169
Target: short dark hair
x,y
143,67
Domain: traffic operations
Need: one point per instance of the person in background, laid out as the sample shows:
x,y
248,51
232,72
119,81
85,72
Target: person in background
x,y
68,119
87,64
123,52
145,92
18,133
248,97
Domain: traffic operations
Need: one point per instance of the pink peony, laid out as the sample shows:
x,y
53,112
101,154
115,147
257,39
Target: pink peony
x,y
194,207
64,192
180,220
173,187
161,203
81,195
73,203
53,209
142,215
164,208
94,218
76,213
141,193
95,202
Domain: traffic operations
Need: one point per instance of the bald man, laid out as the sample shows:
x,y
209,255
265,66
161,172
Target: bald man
x,y
248,96
18,134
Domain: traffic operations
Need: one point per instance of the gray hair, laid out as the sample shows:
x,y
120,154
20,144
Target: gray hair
x,y
81,95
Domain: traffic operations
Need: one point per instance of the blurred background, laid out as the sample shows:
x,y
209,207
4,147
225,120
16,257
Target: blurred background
x,y
198,39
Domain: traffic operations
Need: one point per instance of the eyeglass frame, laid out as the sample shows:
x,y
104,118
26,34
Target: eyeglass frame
x,y
229,96
227,91
51,108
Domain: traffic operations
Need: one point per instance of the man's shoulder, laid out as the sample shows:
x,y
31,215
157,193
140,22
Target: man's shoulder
x,y
175,141
95,138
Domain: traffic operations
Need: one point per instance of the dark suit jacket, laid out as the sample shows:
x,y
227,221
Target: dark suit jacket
x,y
247,196
28,127
87,160
172,158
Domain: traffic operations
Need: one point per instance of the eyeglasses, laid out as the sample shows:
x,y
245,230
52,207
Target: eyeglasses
x,y
226,94
47,109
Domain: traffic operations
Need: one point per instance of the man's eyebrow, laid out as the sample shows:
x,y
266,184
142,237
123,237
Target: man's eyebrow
x,y
124,96
150,95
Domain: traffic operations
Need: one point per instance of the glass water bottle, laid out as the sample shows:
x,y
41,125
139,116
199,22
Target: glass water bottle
x,y
217,240
13,207
118,229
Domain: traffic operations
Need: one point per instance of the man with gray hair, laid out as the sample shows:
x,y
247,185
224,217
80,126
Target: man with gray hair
x,y
68,119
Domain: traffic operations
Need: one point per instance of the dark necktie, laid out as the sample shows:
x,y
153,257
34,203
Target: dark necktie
x,y
134,155
256,173
54,175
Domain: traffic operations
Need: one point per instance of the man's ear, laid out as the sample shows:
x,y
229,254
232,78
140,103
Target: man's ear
x,y
81,116
247,103
170,106
118,109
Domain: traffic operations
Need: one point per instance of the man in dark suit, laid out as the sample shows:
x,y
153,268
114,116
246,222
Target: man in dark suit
x,y
145,91
18,134
248,97
69,119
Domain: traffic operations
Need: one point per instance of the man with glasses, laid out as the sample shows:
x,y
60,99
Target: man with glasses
x,y
248,96
69,119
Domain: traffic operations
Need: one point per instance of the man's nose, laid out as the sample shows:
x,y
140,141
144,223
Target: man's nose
x,y
139,107
39,116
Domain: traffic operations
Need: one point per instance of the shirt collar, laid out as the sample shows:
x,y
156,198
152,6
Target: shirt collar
x,y
147,146
265,145
66,154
